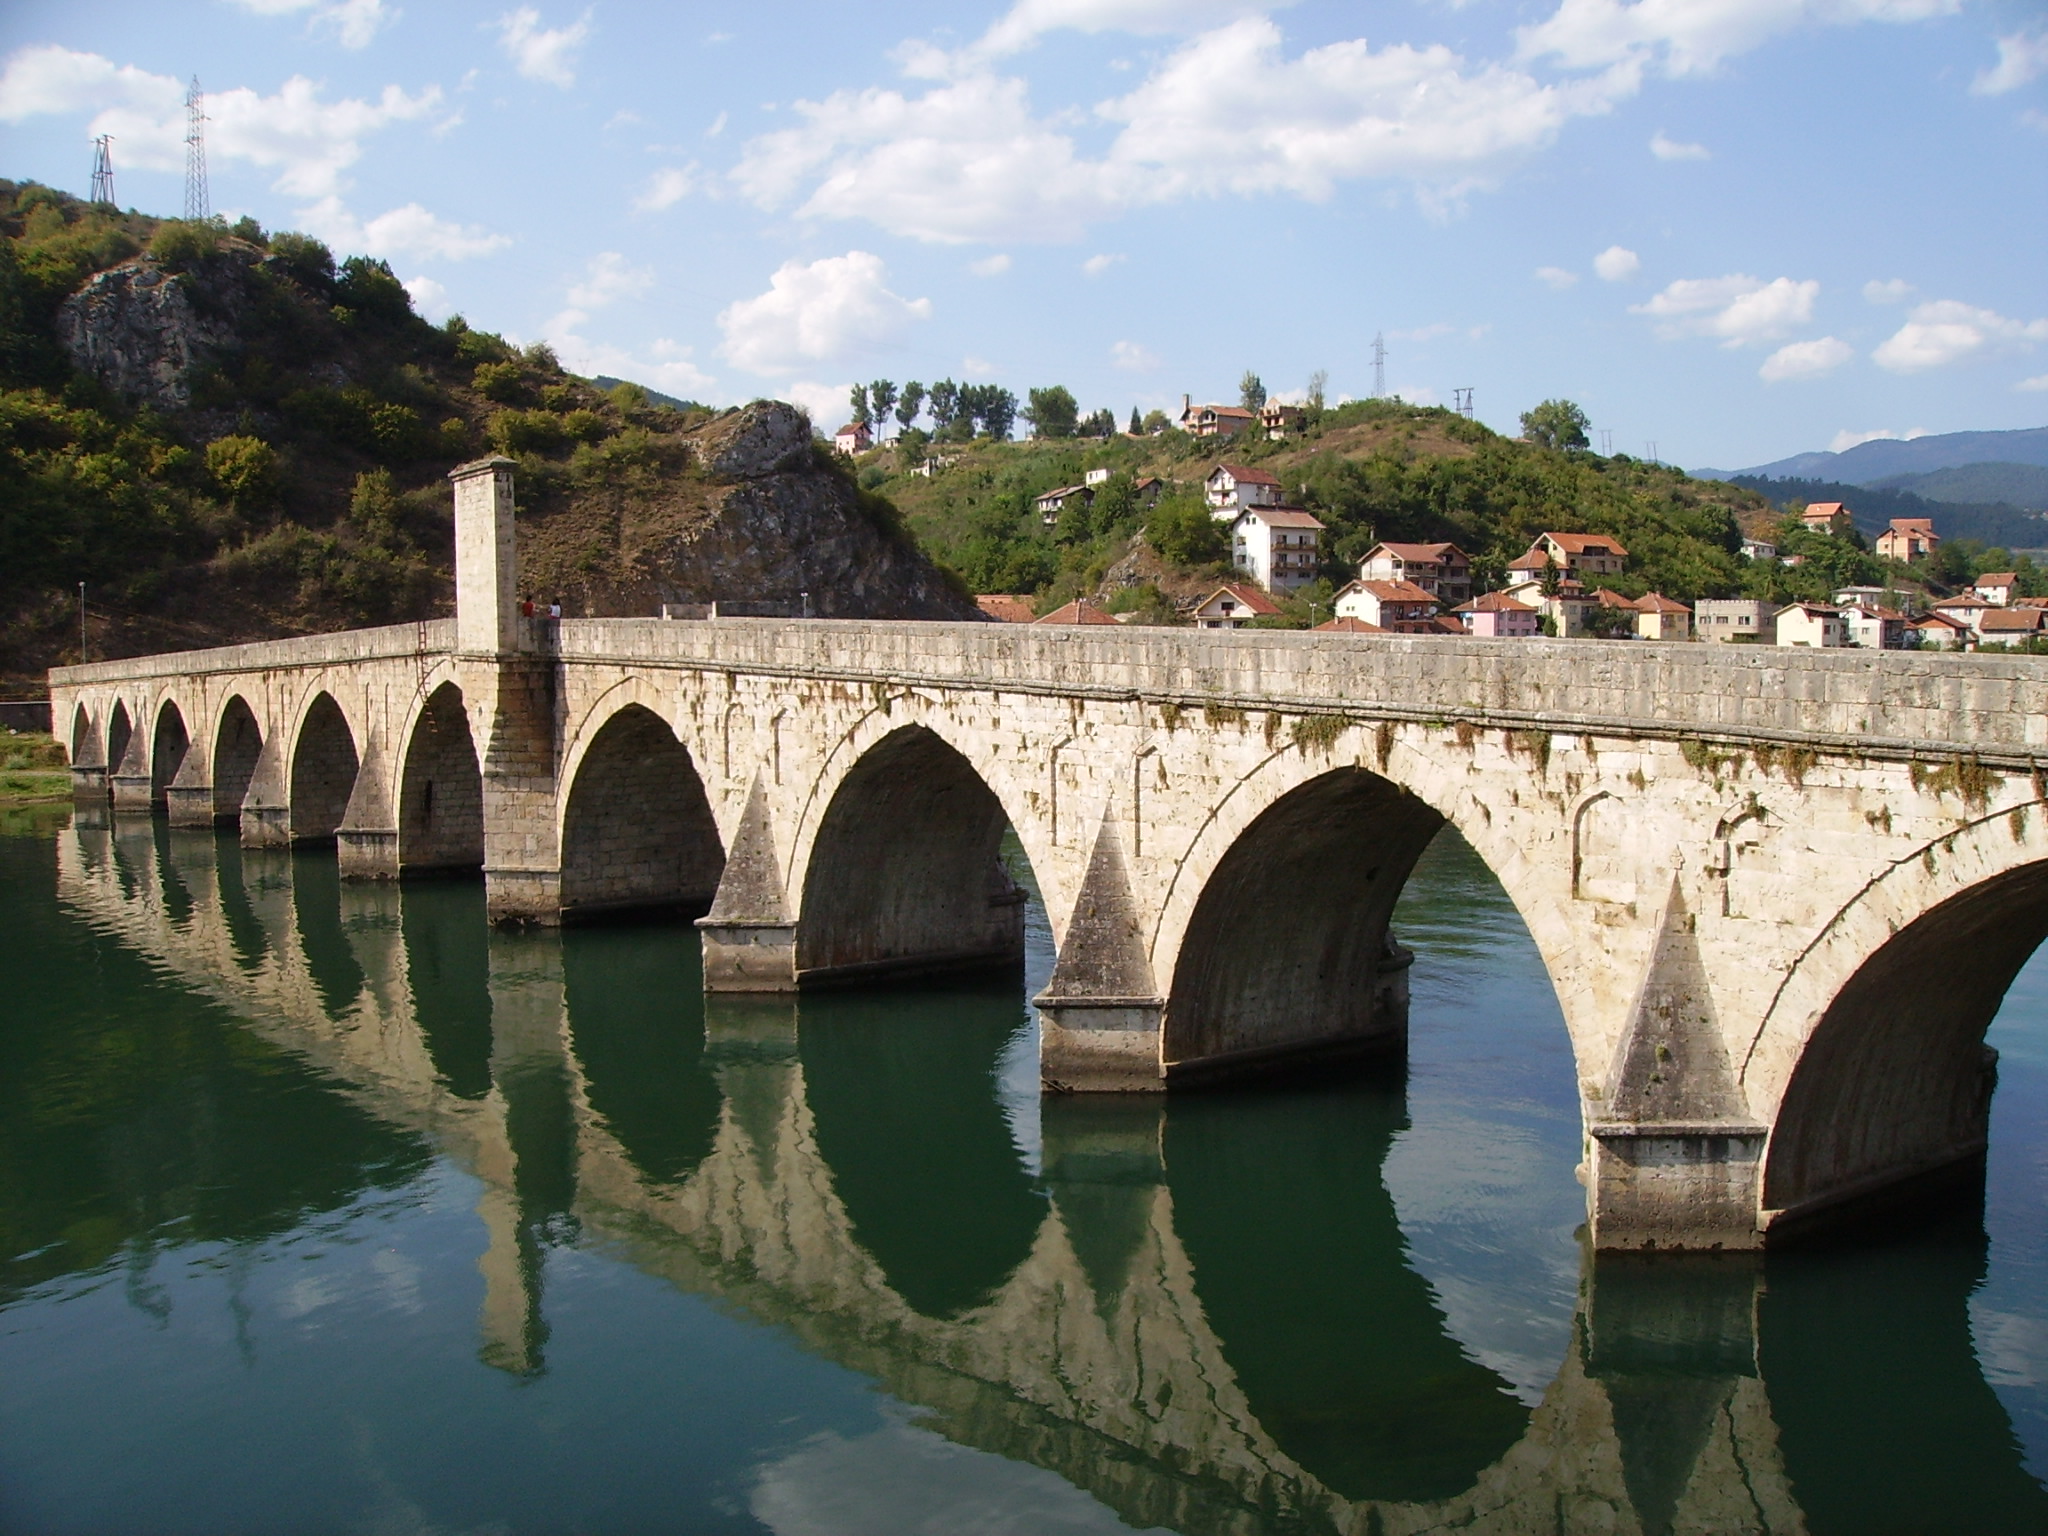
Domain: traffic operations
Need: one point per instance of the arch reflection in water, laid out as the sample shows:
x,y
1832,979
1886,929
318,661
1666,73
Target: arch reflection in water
x,y
1199,1312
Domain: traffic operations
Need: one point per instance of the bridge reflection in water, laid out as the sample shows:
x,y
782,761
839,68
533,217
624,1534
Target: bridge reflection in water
x,y
1200,1310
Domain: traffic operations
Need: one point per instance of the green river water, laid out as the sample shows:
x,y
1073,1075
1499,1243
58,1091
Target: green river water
x,y
327,1208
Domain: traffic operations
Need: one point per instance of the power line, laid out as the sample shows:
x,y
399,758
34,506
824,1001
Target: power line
x,y
198,202
103,170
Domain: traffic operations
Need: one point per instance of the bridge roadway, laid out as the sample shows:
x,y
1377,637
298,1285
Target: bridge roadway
x,y
1780,894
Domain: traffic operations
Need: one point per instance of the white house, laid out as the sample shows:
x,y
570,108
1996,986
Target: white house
x,y
1280,421
1939,632
1397,606
1814,624
1052,503
1731,618
1231,488
1965,608
1096,477
1566,607
1875,628
1444,571
2003,626
1233,605
1276,546
853,438
1759,549
1998,588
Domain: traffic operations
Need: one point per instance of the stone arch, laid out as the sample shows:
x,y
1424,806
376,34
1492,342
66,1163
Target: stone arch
x,y
1602,867
637,828
903,870
1288,946
169,743
323,774
1419,767
1871,1058
119,729
441,789
86,750
237,745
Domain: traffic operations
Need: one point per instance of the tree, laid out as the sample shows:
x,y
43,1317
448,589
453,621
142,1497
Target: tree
x,y
1556,424
945,401
1183,530
1155,422
1116,500
881,400
1312,407
911,404
1251,391
858,397
1135,427
1052,411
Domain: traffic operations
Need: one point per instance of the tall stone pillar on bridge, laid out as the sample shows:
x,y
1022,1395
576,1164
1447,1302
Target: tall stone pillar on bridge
x,y
502,669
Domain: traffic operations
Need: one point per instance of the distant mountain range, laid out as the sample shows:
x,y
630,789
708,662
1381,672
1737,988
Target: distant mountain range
x,y
606,381
2017,485
1887,459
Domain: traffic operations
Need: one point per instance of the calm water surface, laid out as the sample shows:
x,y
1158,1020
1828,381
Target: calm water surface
x,y
325,1208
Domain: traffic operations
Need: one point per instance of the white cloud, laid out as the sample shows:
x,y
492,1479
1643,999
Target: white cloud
x,y
717,126
1947,331
968,159
353,22
1672,149
1738,308
990,266
1892,291
1806,359
1133,358
1617,264
1693,37
1096,265
668,186
2037,384
664,365
429,297
1844,440
1556,277
972,367
407,231
609,278
837,308
307,141
1029,20
828,404
542,53
2022,59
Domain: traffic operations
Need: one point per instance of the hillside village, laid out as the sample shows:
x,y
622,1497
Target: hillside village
x,y
1807,578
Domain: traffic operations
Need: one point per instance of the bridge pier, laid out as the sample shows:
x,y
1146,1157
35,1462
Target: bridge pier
x,y
188,798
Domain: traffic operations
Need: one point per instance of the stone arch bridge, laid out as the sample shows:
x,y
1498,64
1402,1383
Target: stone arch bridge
x,y
1779,894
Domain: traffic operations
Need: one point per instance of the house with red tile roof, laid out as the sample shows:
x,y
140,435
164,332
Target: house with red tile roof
x,y
1827,517
1347,625
1230,488
853,438
1496,616
1233,605
1079,611
1214,420
1398,606
1444,571
1577,554
1908,538
1007,607
1278,547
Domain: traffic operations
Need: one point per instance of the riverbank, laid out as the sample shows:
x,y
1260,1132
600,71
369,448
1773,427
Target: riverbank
x,y
33,770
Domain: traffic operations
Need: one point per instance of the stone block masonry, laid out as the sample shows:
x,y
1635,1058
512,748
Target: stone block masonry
x,y
1731,860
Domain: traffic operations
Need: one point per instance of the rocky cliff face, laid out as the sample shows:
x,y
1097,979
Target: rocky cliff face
x,y
143,331
758,516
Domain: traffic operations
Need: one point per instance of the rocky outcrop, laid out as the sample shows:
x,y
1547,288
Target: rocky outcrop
x,y
144,332
762,516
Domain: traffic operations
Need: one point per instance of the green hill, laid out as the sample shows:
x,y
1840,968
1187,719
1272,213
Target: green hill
x,y
1371,470
2023,486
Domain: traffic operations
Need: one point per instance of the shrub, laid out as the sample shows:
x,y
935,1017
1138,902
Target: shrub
x,y
504,382
527,431
584,426
245,469
179,244
305,258
370,287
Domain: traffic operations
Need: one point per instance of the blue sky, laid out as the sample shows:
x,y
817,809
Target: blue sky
x,y
1735,229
